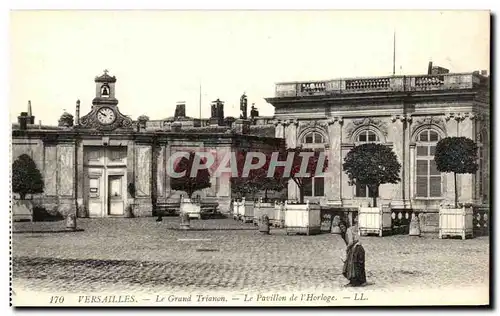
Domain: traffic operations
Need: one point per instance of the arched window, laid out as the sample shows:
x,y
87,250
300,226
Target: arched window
x,y
314,186
365,136
314,138
428,177
105,90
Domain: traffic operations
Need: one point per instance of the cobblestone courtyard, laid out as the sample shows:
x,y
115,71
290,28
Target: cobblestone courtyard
x,y
221,254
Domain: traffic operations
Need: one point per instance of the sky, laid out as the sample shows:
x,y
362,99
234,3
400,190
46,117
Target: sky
x,y
162,57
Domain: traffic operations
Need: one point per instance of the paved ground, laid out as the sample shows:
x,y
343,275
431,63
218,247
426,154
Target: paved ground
x,y
142,255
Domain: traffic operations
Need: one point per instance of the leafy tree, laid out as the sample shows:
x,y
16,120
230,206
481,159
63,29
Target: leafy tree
x,y
257,179
457,155
241,186
187,183
295,172
372,165
26,178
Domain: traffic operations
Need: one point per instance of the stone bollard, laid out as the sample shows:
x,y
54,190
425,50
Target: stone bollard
x,y
71,222
335,225
264,224
415,226
185,221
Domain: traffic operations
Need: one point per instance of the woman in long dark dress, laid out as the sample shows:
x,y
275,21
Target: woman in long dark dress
x,y
354,264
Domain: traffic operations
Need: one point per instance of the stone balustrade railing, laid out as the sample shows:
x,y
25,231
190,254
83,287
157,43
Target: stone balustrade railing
x,y
378,84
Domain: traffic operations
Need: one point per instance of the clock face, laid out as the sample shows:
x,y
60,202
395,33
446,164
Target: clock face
x,y
106,116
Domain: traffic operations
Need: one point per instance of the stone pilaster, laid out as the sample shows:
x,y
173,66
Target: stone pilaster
x,y
131,165
466,188
168,154
334,172
143,181
400,136
160,171
80,178
224,180
451,120
66,184
291,142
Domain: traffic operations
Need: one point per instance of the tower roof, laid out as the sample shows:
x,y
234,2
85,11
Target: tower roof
x,y
105,78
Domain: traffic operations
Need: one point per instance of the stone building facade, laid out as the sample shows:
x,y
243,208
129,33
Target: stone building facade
x,y
410,114
89,164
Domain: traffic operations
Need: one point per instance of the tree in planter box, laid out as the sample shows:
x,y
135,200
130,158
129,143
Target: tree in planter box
x,y
314,164
243,186
257,179
265,183
187,182
26,178
372,165
457,155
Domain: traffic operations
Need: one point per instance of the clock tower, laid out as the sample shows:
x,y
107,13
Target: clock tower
x,y
105,90
105,115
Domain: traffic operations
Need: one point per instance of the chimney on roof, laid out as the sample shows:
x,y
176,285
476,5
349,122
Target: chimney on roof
x,y
29,114
77,113
23,121
429,68
180,109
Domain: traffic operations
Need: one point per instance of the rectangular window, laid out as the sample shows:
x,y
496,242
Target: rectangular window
x,y
428,178
422,151
307,183
433,171
422,167
435,186
432,150
319,186
362,137
422,186
309,139
372,137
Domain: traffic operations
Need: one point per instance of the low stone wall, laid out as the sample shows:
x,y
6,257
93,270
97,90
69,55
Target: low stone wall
x,y
429,221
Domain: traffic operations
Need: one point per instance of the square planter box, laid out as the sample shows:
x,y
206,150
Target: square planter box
x,y
235,205
262,209
456,222
22,210
374,220
302,218
192,209
277,215
243,210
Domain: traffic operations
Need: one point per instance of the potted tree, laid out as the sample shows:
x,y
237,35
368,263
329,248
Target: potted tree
x,y
274,211
190,183
302,217
243,187
457,155
26,179
372,165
